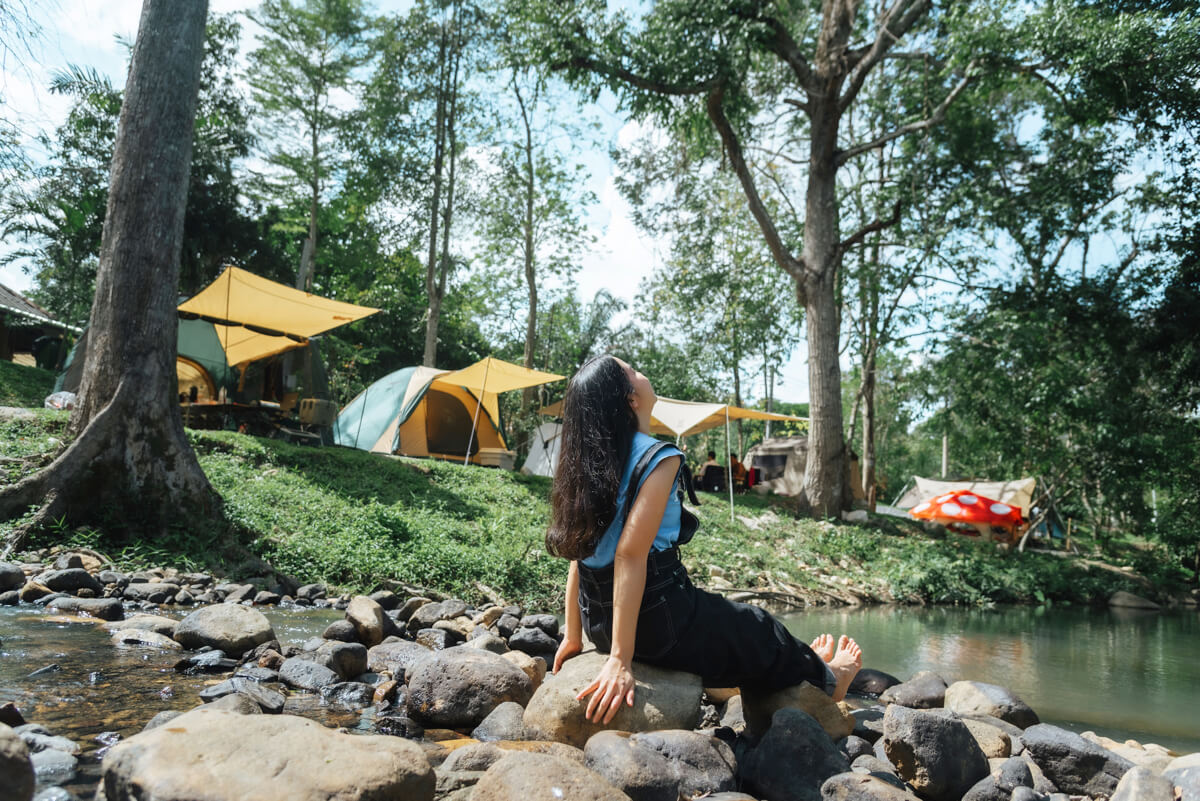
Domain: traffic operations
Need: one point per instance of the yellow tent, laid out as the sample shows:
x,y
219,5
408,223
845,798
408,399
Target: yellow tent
x,y
255,318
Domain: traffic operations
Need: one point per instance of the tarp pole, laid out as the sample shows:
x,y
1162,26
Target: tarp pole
x,y
728,466
478,402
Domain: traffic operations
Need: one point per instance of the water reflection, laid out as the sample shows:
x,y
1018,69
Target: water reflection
x,y
1122,673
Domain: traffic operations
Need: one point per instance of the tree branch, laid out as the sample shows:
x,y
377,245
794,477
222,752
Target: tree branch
x,y
637,81
733,147
867,230
896,22
935,118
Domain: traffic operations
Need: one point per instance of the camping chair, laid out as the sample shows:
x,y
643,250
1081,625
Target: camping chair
x,y
713,478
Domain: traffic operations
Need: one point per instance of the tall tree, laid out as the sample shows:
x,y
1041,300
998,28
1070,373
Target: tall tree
x,y
775,81
128,447
307,58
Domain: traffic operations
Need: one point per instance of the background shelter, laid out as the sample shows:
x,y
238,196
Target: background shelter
x,y
781,462
29,334
1018,492
543,451
424,411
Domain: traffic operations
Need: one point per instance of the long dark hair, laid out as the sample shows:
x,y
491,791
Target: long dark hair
x,y
597,436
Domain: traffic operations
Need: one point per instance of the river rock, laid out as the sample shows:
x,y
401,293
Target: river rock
x,y
304,674
1184,771
872,682
12,577
702,764
863,787
759,710
527,776
852,747
33,590
1073,764
341,631
162,717
304,760
156,623
994,742
438,639
270,701
505,722
1143,784
459,687
10,598
489,642
978,698
228,627
532,666
663,699
71,580
506,624
793,759
348,694
348,660
52,766
239,703
926,690
934,753
1002,781
10,715
427,614
156,592
533,641
405,612
547,623
144,639
367,618
16,769
213,661
1128,600
102,608
475,757
396,657
641,773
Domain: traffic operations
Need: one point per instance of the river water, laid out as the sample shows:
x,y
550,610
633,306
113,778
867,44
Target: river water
x,y
1125,675
1121,673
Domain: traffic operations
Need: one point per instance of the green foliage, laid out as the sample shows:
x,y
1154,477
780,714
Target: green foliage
x,y
24,386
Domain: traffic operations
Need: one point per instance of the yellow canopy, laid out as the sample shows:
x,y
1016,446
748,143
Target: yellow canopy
x,y
255,318
684,418
488,377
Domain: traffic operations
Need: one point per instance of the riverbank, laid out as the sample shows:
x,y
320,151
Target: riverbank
x,y
361,522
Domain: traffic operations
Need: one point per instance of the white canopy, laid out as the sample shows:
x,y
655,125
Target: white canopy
x,y
1018,492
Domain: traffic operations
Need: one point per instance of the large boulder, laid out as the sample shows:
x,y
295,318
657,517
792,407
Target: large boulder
x,y
1184,771
1004,779
925,690
793,759
427,614
347,659
102,608
527,776
934,753
1127,600
12,577
1073,764
1143,784
702,764
459,687
978,698
16,770
304,674
222,756
396,657
759,710
641,773
869,681
505,722
71,580
367,618
662,699
230,628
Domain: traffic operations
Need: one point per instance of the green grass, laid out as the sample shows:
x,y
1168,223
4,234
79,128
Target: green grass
x,y
357,520
24,386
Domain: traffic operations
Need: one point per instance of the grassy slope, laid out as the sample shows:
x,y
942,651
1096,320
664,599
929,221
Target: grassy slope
x,y
24,386
356,520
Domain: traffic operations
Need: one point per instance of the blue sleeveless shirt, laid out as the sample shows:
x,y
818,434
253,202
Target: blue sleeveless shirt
x,y
668,530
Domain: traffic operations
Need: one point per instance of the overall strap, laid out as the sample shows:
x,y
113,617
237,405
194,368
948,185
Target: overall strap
x,y
639,470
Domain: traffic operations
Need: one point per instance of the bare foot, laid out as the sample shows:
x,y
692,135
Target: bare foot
x,y
845,665
823,647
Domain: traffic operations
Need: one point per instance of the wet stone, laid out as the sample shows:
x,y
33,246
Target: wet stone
x,y
259,674
213,661
438,639
53,766
270,701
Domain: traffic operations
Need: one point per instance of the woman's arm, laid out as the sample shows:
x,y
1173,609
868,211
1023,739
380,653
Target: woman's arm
x,y
615,680
573,640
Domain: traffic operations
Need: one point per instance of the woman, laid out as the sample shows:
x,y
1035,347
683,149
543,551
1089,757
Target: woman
x,y
616,514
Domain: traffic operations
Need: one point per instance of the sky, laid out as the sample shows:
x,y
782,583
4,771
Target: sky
x,y
91,32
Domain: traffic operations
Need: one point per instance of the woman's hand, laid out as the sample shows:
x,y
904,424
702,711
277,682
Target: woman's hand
x,y
611,686
566,649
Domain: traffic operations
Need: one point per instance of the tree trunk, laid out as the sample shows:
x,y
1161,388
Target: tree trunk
x,y
129,451
434,307
868,464
530,264
824,474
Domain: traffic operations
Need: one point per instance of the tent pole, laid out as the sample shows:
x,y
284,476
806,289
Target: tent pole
x,y
478,403
363,412
728,466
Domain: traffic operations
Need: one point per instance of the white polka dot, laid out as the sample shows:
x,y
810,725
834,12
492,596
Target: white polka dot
x,y
943,498
952,509
921,507
969,500
1000,508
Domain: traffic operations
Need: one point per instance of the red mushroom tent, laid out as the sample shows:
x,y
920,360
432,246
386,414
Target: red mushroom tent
x,y
971,513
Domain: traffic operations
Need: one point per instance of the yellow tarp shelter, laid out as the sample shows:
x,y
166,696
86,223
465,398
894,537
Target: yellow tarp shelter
x,y
255,318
